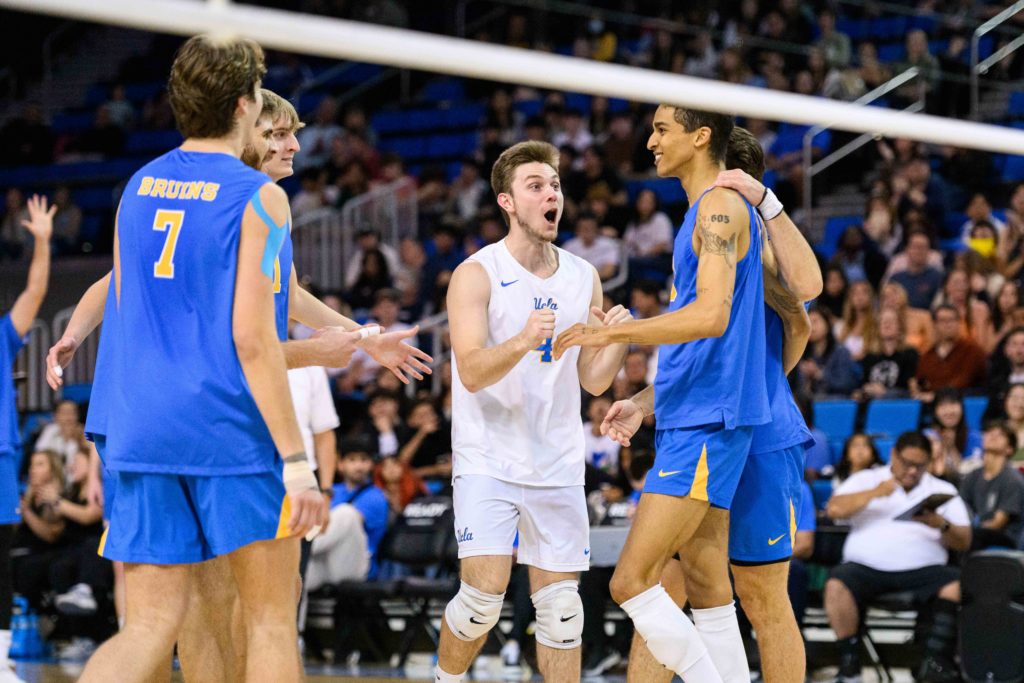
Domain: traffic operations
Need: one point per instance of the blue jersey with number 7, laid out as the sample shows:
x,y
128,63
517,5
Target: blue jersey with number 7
x,y
177,400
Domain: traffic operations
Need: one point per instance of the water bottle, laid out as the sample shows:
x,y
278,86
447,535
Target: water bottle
x,y
19,631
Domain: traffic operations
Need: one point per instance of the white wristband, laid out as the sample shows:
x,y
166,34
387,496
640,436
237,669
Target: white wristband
x,y
298,476
370,331
770,206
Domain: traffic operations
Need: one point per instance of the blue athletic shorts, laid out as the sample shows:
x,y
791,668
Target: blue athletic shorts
x,y
703,463
763,517
109,479
180,519
9,499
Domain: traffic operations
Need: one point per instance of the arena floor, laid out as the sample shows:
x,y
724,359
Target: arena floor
x,y
63,673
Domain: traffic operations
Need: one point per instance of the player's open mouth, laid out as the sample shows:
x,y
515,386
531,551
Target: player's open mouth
x,y
657,158
551,215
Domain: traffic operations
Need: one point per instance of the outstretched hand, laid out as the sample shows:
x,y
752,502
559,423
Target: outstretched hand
x,y
403,360
579,335
40,218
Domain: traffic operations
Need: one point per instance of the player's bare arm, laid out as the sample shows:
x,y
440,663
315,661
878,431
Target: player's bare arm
x,y
87,316
625,417
262,359
597,367
796,325
796,260
721,239
390,350
40,224
480,365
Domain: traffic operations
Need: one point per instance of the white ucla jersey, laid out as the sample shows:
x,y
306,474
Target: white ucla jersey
x,y
526,428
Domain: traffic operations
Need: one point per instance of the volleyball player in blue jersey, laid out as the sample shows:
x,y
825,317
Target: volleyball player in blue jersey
x,y
710,393
14,328
762,518
208,457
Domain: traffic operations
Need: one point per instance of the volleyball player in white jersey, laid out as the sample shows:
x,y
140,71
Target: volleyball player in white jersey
x,y
517,436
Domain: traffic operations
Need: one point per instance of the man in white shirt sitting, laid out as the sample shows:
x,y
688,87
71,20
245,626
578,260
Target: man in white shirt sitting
x,y
883,554
601,251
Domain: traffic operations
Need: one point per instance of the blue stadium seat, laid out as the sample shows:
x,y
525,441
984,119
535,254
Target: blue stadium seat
x,y
835,418
668,190
464,116
443,90
1016,104
96,95
884,447
139,93
892,52
822,490
615,105
529,107
834,229
388,122
952,222
1014,170
149,142
890,418
73,122
94,198
974,409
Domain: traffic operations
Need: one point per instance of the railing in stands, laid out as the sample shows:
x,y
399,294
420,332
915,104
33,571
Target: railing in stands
x,y
30,364
981,67
392,210
811,168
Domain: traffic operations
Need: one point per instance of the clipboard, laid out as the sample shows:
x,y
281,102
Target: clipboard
x,y
932,502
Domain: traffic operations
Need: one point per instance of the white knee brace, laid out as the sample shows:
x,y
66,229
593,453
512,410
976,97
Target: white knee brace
x,y
559,615
472,613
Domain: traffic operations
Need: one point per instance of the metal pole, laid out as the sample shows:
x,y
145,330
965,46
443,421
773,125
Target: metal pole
x,y
975,41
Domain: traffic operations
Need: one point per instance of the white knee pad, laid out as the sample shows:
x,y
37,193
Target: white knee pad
x,y
559,615
472,613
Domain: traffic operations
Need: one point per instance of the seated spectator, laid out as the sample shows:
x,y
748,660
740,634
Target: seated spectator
x,y
1005,372
64,435
368,240
955,448
974,314
67,223
12,230
917,323
374,276
1013,416
995,492
1004,314
954,361
595,181
104,140
645,300
598,250
859,258
468,191
574,133
833,295
859,453
827,369
359,517
80,576
649,234
362,368
882,554
119,109
427,443
383,412
602,453
399,484
889,368
633,377
858,330
920,277
979,211
444,256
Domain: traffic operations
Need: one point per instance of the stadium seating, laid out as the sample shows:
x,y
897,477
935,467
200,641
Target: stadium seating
x,y
974,409
890,418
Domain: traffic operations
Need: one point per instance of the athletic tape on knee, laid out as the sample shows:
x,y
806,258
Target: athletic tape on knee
x,y
670,636
472,613
559,615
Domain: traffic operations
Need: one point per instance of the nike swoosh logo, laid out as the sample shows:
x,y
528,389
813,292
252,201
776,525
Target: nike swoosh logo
x,y
506,284
773,541
587,551
473,620
564,619
663,473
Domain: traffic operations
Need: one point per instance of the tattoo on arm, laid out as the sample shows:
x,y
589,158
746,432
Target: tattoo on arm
x,y
712,243
780,301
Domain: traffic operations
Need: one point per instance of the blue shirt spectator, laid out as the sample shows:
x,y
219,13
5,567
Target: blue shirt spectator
x,y
373,506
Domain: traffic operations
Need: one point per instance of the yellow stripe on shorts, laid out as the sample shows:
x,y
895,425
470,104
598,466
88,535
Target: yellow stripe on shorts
x,y
699,488
282,521
103,541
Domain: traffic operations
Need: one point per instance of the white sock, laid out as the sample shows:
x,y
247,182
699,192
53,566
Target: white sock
x,y
670,636
5,644
442,676
720,632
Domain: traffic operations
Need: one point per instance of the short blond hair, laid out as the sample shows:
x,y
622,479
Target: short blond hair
x,y
277,107
528,152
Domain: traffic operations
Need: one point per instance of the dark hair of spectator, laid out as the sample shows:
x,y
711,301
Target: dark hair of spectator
x,y
207,77
1011,436
745,153
720,125
648,287
950,395
913,440
945,307
843,467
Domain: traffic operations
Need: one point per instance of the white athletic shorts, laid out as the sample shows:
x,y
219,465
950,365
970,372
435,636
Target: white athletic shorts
x,y
553,526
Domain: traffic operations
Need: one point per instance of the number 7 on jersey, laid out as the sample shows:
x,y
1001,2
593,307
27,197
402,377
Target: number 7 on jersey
x,y
170,222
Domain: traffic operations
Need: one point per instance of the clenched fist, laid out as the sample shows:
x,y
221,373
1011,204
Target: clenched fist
x,y
539,326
